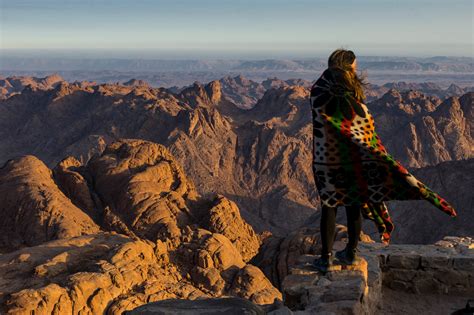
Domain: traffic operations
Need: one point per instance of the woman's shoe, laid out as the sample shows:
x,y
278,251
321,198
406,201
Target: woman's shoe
x,y
347,256
322,263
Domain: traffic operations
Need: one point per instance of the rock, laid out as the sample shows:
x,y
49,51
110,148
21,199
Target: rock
x,y
350,283
79,273
251,283
157,191
425,271
221,251
405,261
68,177
434,269
34,209
164,251
248,141
208,278
345,289
224,217
278,255
230,305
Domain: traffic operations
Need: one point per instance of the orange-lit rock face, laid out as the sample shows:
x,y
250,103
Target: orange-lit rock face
x,y
34,209
125,229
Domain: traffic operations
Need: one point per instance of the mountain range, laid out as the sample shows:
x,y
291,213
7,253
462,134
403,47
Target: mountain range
x,y
246,140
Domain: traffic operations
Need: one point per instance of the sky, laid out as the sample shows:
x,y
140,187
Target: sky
x,y
223,28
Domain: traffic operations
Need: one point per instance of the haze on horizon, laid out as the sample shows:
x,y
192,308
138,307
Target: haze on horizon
x,y
236,29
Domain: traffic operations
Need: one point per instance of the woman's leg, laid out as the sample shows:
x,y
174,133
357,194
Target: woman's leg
x,y
328,227
354,225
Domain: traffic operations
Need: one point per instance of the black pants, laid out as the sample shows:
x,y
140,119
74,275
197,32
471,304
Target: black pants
x,y
328,227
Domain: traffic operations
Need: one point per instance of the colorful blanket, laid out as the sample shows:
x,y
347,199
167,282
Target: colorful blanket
x,y
351,165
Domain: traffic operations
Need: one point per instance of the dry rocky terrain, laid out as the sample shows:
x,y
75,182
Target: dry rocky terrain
x,y
250,142
121,197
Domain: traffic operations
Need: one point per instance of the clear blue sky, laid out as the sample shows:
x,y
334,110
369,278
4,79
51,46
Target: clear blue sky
x,y
272,27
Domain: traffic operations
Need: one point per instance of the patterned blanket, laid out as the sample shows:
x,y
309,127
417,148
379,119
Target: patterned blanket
x,y
351,165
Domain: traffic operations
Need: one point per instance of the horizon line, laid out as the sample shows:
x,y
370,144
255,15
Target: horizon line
x,y
304,55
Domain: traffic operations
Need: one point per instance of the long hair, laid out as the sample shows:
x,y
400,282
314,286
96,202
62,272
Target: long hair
x,y
342,59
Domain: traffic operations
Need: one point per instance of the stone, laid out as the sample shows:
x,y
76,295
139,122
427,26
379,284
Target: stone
x,y
347,289
406,261
400,285
155,246
281,311
464,263
224,218
208,306
426,285
34,209
251,283
405,275
323,282
453,278
339,307
209,279
296,282
437,262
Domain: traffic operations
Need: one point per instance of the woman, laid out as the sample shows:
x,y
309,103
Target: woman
x,y
351,166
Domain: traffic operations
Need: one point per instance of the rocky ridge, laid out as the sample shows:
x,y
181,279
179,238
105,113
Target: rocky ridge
x,y
257,157
125,229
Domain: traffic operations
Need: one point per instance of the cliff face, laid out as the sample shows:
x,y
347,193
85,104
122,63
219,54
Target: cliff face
x,y
258,157
432,130
34,209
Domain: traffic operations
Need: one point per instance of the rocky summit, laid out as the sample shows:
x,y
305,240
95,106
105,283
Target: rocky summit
x,y
125,229
128,230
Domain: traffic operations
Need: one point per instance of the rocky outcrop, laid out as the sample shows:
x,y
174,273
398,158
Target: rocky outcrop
x,y
342,290
231,306
278,255
14,85
424,273
438,277
224,218
34,209
443,268
150,189
158,239
197,94
79,274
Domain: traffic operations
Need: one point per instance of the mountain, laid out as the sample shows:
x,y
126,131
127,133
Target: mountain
x,y
13,85
258,156
372,63
432,130
427,88
122,230
241,91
